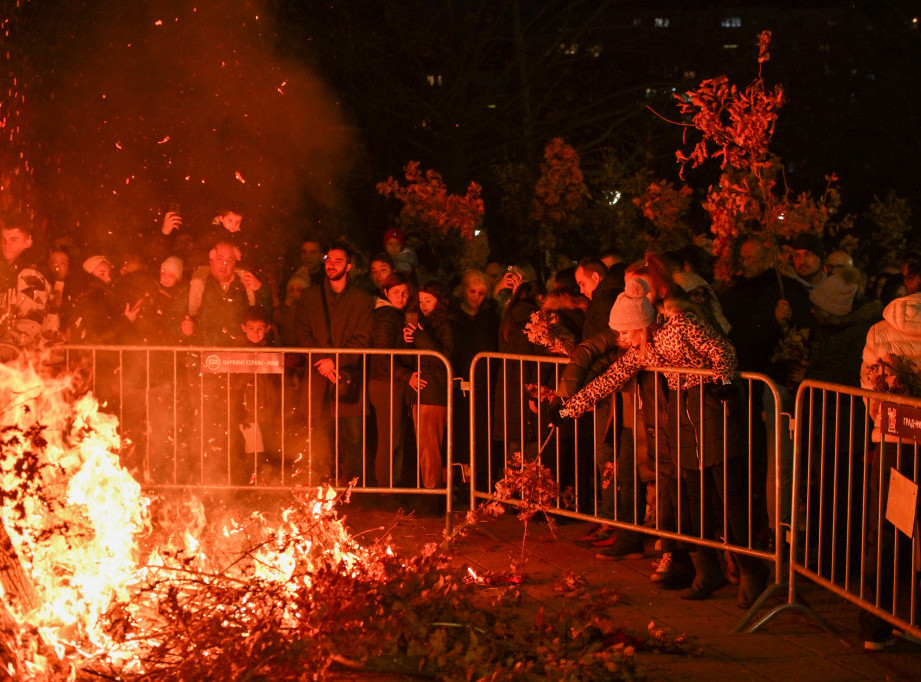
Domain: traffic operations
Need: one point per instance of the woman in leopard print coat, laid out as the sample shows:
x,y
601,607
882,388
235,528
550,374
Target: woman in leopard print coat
x,y
680,339
708,454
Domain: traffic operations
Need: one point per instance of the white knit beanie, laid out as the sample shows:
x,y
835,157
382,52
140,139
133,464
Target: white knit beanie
x,y
632,309
835,294
173,264
689,281
94,262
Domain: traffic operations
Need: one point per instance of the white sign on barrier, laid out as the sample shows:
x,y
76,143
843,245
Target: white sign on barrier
x,y
902,502
233,362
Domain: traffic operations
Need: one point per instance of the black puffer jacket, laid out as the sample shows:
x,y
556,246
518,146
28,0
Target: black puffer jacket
x,y
599,309
475,334
387,322
591,357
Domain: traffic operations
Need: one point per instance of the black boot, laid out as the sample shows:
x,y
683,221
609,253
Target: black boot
x,y
708,579
753,575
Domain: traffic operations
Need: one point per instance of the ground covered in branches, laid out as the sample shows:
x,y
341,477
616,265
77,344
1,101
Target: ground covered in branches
x,y
361,605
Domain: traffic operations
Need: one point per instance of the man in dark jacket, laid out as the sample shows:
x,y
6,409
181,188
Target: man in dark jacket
x,y
336,315
600,285
763,306
596,352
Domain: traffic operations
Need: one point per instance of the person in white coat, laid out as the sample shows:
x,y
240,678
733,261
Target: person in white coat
x,y
891,364
893,347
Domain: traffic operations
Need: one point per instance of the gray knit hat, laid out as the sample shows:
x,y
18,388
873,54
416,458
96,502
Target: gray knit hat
x,y
632,309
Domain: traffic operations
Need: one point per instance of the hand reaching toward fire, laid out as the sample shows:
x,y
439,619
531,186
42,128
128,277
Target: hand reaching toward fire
x,y
171,221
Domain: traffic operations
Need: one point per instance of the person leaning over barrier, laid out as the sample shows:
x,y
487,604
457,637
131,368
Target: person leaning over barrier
x,y
681,340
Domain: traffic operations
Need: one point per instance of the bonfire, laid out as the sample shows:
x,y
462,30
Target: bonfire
x,y
103,581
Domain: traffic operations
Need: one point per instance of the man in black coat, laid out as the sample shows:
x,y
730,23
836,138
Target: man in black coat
x,y
762,306
598,349
335,315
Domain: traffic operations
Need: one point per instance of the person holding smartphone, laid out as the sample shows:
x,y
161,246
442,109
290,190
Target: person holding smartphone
x,y
429,327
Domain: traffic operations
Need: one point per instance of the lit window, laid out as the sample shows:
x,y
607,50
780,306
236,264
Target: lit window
x,y
731,46
595,50
731,22
661,22
434,80
572,49
690,75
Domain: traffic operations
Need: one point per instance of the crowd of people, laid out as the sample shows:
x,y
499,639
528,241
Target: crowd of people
x,y
791,314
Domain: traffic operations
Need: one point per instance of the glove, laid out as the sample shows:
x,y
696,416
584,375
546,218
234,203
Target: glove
x,y
726,393
556,413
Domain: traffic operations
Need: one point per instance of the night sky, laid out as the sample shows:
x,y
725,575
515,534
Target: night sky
x,y
115,111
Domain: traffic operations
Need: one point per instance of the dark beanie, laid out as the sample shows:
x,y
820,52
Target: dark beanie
x,y
810,241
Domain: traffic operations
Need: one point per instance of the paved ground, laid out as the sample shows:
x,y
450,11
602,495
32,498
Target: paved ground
x,y
790,647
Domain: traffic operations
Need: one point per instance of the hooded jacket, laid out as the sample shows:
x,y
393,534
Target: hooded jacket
x,y
898,334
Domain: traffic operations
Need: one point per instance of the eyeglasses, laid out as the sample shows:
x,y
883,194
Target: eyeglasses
x,y
218,261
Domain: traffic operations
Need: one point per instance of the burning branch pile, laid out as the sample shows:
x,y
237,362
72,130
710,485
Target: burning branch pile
x,y
131,588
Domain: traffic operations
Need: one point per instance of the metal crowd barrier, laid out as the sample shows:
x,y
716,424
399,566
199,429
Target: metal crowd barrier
x,y
508,419
254,418
241,418
855,530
